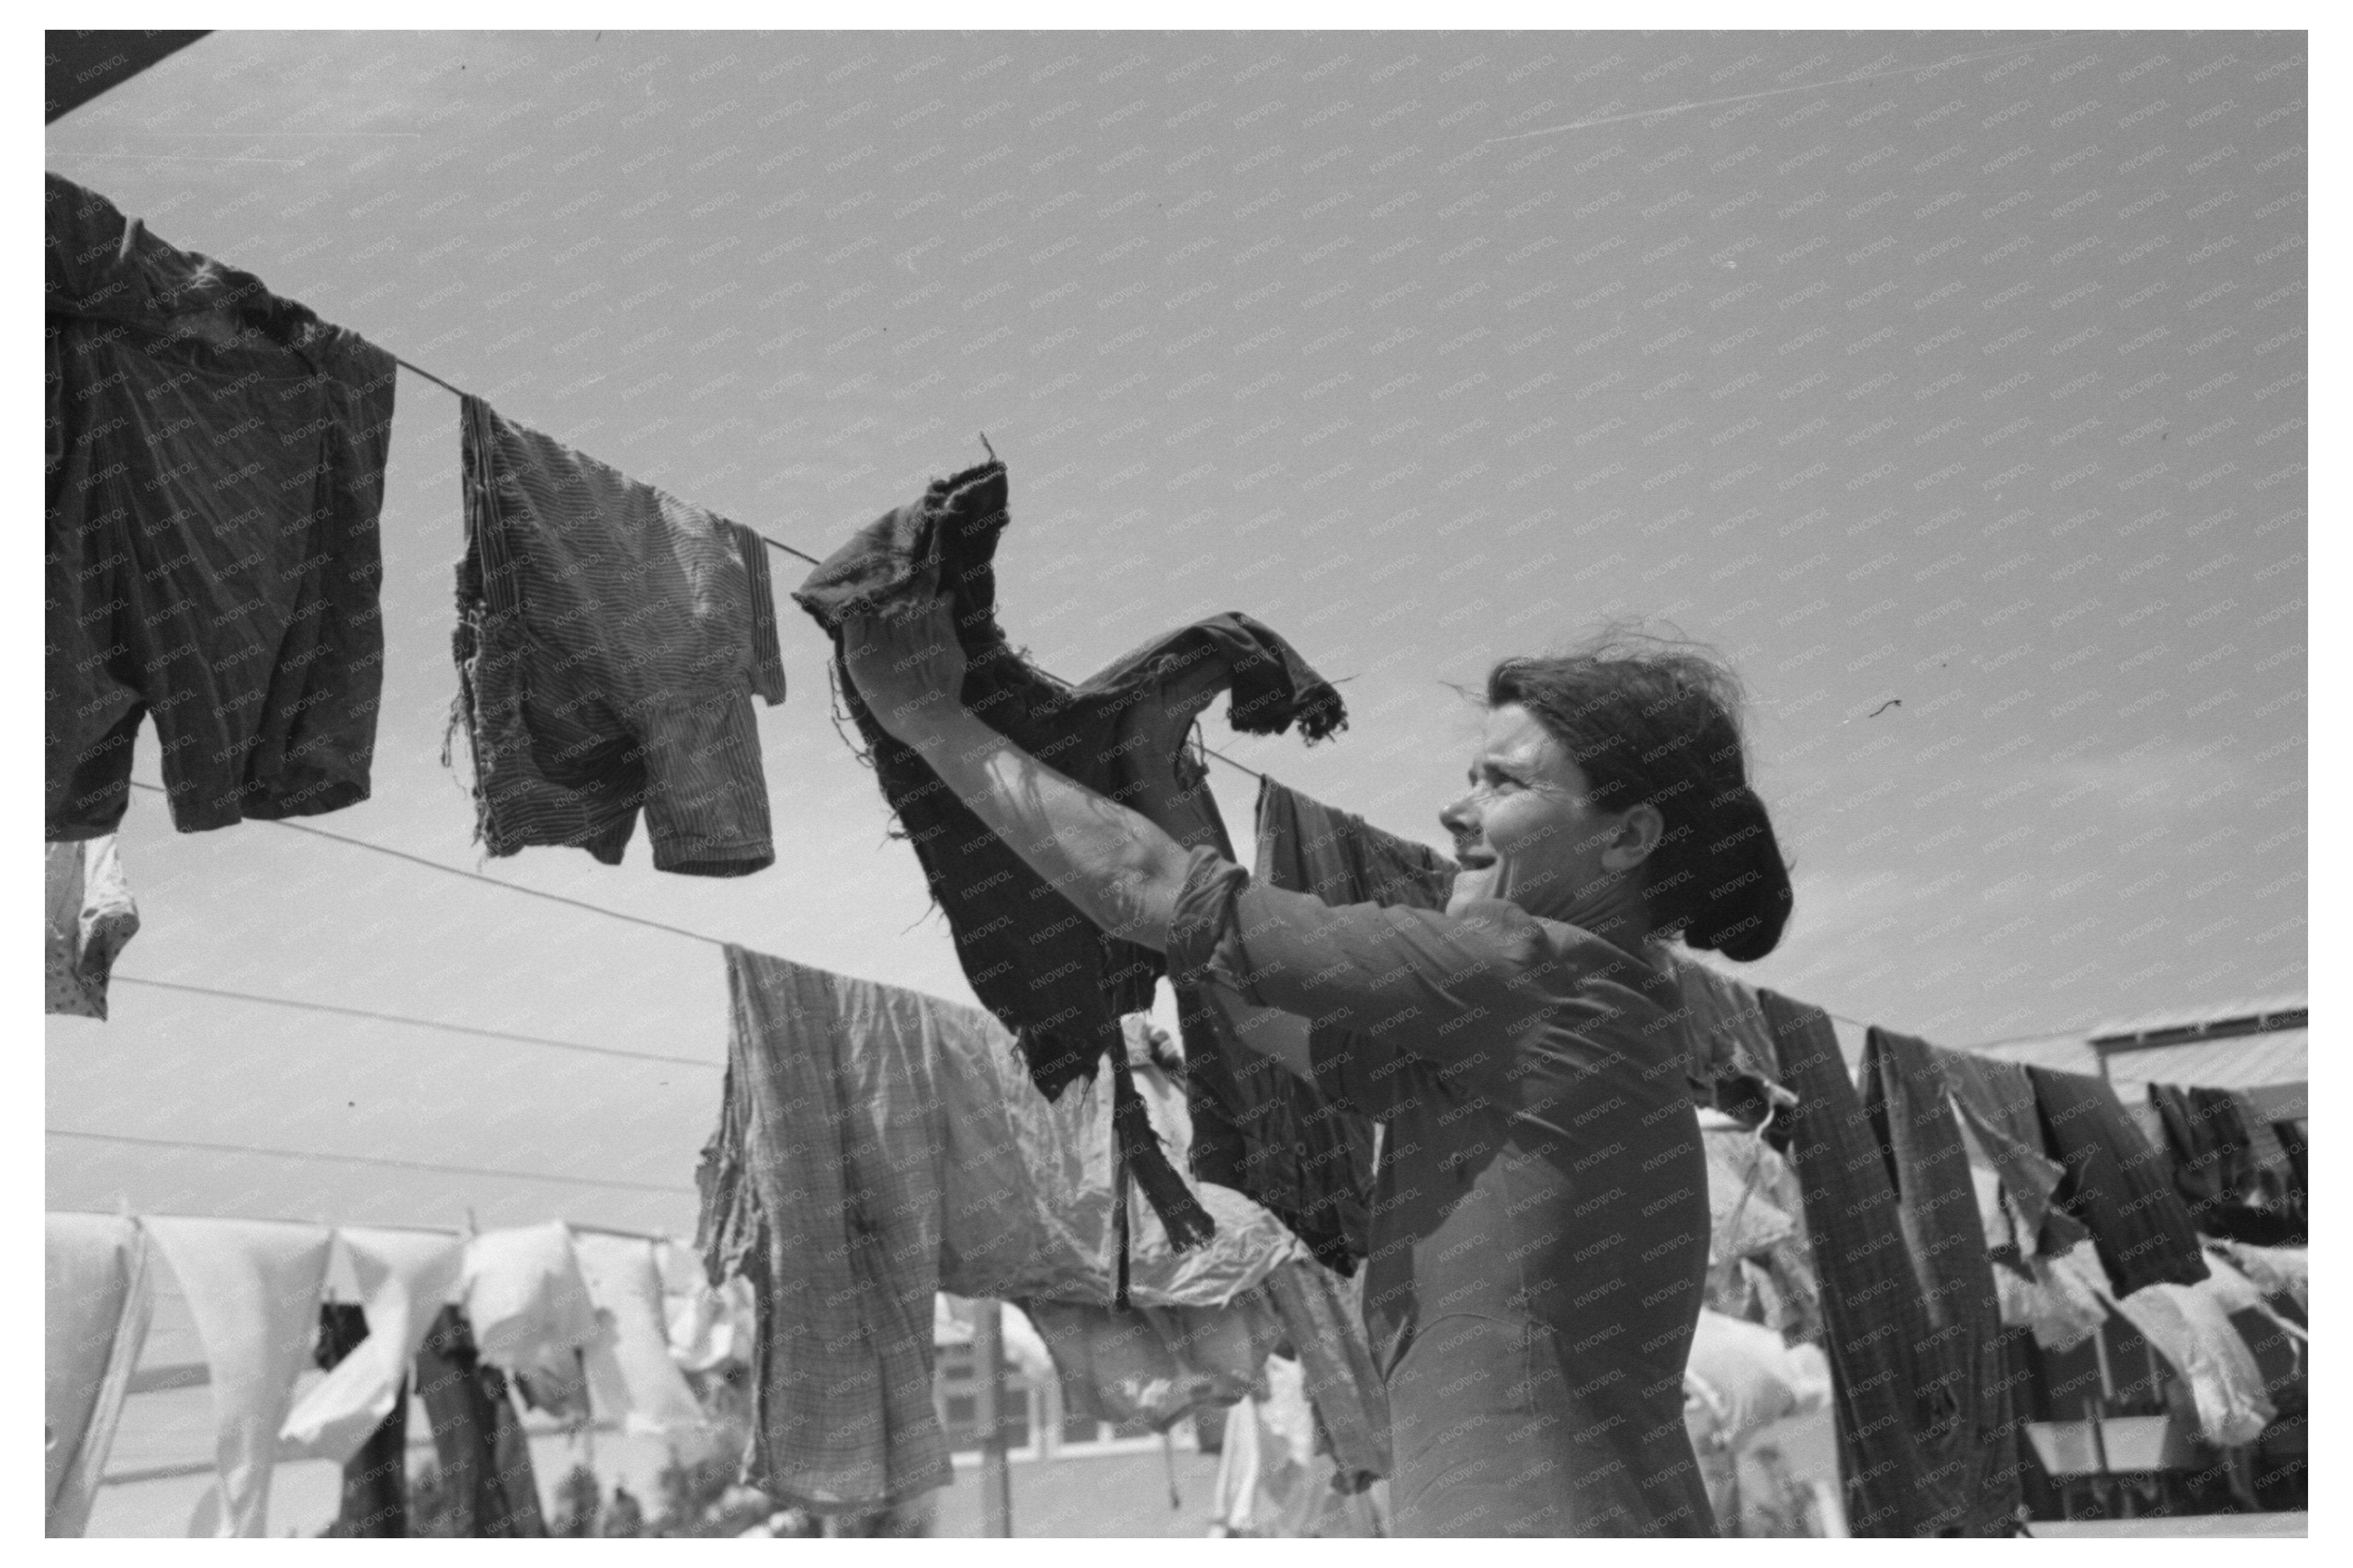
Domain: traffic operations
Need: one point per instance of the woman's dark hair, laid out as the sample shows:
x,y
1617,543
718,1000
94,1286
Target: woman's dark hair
x,y
1656,723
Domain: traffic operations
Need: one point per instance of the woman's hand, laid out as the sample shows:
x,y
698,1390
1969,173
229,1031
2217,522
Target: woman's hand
x,y
908,666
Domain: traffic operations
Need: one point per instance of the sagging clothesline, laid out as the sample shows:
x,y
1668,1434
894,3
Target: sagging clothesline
x,y
460,392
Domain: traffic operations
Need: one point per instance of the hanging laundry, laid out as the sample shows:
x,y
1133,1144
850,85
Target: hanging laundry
x,y
374,1503
610,638
1875,1320
404,1278
622,1281
1324,1319
1745,1377
2235,1293
1035,961
2115,1184
1726,1027
2234,1185
485,1462
1260,1130
1267,1472
709,1326
1996,1099
215,467
97,1303
1759,1260
2063,1300
531,1314
1157,1365
876,1146
2276,1172
252,1287
2277,1270
2189,1329
1959,1360
91,918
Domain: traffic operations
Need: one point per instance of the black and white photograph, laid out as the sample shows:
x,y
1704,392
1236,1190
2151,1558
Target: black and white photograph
x,y
1256,772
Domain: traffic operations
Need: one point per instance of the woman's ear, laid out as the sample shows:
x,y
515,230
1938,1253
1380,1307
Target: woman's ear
x,y
1639,832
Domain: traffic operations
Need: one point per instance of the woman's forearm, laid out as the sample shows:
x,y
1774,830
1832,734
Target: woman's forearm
x,y
1119,869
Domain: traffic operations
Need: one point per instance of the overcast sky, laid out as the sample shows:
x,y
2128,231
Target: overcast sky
x,y
1952,386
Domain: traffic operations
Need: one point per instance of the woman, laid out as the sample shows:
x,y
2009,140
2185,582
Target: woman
x,y
1540,1238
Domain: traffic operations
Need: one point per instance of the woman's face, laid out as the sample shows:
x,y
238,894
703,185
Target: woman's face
x,y
1527,830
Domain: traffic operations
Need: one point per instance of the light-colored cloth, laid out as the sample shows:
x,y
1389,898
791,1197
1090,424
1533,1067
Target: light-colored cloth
x,y
96,1306
627,1290
403,1277
90,916
2191,1330
252,1287
1759,1260
2276,1270
1743,1377
712,1327
1267,1472
533,1316
2065,1302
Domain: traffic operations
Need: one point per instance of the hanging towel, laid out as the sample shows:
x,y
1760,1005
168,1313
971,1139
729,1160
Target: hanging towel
x,y
1745,1377
404,1278
1033,960
610,640
91,918
485,1463
876,1146
1262,1130
2115,1184
2277,1270
623,1283
1964,1459
215,467
97,1302
1875,1321
374,1503
252,1287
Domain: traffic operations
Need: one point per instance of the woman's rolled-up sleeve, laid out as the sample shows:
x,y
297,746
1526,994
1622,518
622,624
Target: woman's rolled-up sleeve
x,y
1464,993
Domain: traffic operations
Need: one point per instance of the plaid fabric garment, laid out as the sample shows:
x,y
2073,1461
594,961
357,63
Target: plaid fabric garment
x,y
823,1188
1971,1460
1871,1301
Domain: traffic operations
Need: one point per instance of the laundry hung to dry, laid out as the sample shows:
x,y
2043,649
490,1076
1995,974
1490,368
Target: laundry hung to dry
x,y
877,1146
214,470
610,638
1875,1320
2115,1184
1970,1459
1033,959
1258,1127
92,916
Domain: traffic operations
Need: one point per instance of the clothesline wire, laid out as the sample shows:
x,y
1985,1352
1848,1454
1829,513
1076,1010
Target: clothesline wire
x,y
419,1023
471,876
460,392
375,1160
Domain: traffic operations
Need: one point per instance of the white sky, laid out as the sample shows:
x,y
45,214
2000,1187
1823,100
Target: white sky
x,y
1978,387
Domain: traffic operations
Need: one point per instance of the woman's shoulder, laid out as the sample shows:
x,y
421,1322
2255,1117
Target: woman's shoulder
x,y
1576,956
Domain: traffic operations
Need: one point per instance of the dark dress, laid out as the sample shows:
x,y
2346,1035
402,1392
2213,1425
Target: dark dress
x,y
1540,1225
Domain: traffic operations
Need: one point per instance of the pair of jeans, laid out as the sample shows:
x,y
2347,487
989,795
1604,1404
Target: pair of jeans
x,y
214,472
1037,963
